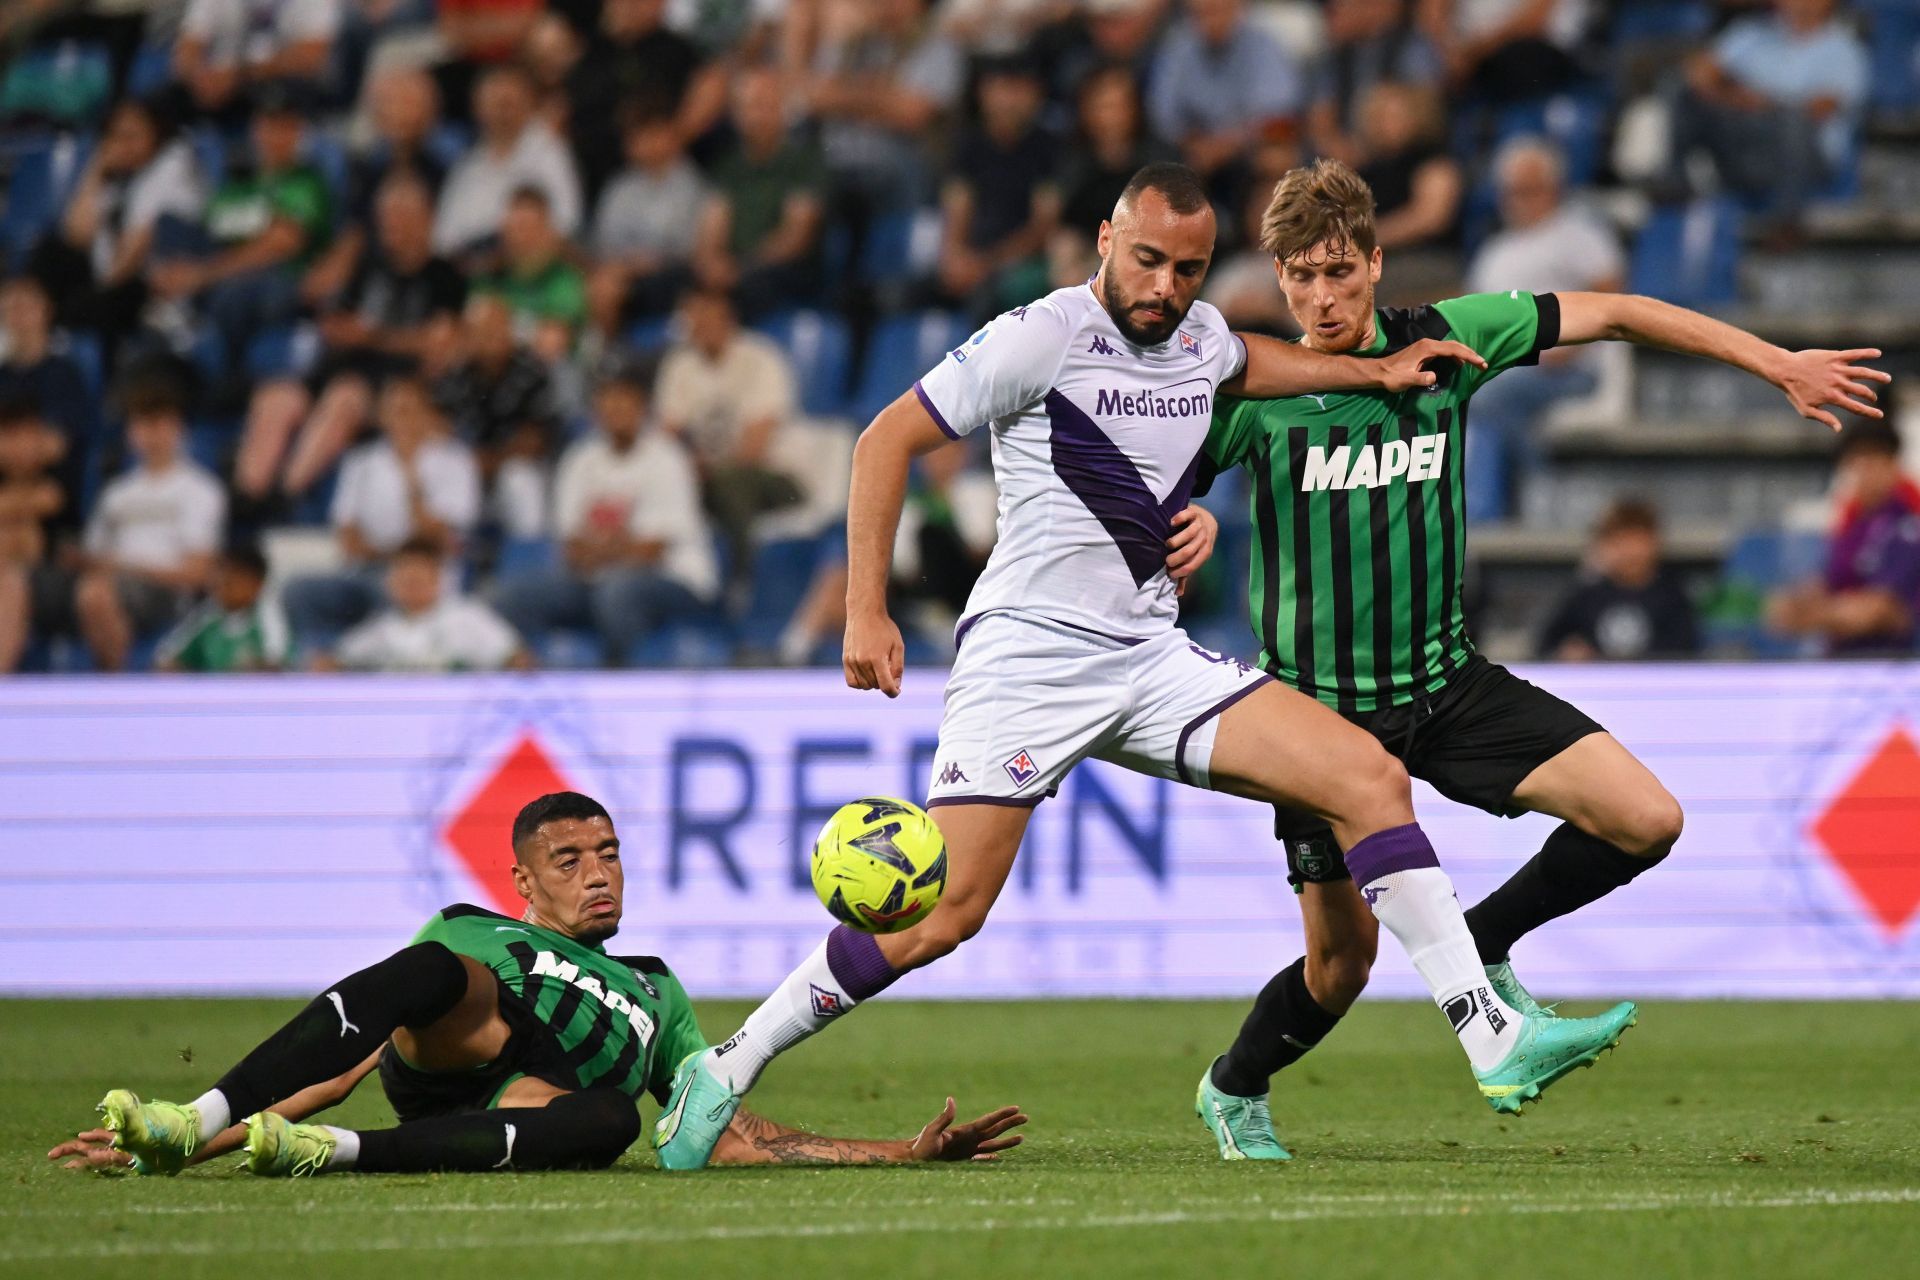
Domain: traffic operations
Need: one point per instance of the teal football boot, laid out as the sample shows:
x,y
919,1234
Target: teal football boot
x,y
698,1112
1548,1049
1508,988
1242,1126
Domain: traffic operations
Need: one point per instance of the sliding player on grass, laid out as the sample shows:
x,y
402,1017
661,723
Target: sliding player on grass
x,y
501,1043
1099,399
1359,511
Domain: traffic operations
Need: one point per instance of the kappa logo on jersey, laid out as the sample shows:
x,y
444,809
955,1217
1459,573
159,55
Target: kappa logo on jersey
x,y
1022,769
826,1004
548,965
1190,345
950,775
1372,466
1101,347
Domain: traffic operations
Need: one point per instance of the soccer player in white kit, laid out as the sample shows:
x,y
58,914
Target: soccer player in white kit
x,y
1099,399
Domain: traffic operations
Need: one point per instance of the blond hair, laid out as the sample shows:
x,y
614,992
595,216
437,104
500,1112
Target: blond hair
x,y
1323,202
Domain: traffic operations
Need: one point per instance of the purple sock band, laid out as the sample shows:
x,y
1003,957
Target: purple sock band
x,y
857,964
1385,852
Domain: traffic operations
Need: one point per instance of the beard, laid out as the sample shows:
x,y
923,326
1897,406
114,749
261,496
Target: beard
x,y
1138,329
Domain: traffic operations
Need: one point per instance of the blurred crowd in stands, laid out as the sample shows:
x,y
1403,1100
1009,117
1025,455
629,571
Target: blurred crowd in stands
x,y
469,334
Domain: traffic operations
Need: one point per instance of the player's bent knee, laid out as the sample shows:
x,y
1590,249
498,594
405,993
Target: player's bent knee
x,y
1650,826
1378,792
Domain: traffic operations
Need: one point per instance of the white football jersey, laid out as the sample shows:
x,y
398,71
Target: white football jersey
x,y
1096,443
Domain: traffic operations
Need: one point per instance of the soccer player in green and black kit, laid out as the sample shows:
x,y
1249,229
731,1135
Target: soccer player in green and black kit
x,y
1359,510
502,1043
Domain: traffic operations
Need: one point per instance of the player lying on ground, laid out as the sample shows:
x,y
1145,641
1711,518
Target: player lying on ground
x,y
1099,399
501,1043
1359,510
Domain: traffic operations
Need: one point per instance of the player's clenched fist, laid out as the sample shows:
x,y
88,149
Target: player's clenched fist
x,y
873,656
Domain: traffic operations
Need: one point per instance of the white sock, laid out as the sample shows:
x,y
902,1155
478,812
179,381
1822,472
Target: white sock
x,y
346,1151
215,1114
805,1001
1418,907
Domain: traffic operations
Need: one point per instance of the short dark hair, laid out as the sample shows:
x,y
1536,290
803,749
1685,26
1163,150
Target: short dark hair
x,y
1627,515
423,547
153,395
246,557
1868,436
559,806
528,193
20,408
1183,189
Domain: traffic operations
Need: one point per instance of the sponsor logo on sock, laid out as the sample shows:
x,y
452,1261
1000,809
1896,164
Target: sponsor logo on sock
x,y
733,1042
950,775
506,1161
1460,1010
1495,1018
340,1007
1022,769
827,1004
1301,1045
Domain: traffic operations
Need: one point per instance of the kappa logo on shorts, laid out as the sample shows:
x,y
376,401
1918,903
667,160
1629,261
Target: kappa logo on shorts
x,y
1022,769
826,1004
950,775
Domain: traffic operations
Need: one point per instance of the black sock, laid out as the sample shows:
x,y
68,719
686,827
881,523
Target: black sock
x,y
1286,1022
585,1130
1571,870
347,1022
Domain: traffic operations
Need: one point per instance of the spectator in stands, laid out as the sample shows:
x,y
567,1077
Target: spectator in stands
x,y
1775,102
513,150
1109,33
647,222
999,28
426,626
1544,245
151,538
95,267
637,552
552,51
1501,51
1869,597
1369,43
31,369
264,225
414,482
229,48
479,35
1220,80
32,502
398,314
726,393
237,628
405,110
999,204
1417,184
543,290
635,58
760,232
501,400
879,84
1111,144
1627,604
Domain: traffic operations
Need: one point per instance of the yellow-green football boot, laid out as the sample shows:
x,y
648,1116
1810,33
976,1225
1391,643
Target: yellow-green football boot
x,y
279,1148
160,1136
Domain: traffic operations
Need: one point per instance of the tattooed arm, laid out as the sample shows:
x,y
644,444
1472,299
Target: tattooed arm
x,y
753,1139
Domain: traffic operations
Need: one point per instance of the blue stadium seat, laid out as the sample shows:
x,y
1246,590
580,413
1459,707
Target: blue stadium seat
x,y
1688,254
902,348
526,555
887,252
1658,21
1894,47
698,642
43,173
568,650
275,353
1762,561
151,71
782,572
821,350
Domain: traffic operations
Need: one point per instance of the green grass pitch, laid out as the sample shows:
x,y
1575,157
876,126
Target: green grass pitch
x,y
1737,1140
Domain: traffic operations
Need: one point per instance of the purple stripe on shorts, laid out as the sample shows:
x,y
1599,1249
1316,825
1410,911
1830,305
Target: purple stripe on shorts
x,y
939,419
1180,746
1385,852
1005,802
857,963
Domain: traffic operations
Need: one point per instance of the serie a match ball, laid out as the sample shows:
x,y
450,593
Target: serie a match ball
x,y
880,864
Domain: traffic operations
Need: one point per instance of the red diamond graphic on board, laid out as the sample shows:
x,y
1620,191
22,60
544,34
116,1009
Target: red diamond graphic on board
x,y
1871,832
480,833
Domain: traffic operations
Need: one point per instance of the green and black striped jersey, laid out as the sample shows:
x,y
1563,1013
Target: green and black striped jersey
x,y
1359,509
620,1021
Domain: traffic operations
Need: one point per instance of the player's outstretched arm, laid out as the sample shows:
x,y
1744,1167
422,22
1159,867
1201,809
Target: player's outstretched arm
x,y
753,1139
1811,380
1277,369
874,656
94,1149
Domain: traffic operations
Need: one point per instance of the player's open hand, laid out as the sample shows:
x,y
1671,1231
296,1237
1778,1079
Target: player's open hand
x,y
1191,545
1406,370
1815,379
980,1139
873,655
93,1149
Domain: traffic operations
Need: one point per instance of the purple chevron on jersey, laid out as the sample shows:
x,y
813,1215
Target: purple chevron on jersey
x,y
1101,475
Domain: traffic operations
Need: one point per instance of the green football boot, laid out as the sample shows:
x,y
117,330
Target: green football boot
x,y
160,1136
1507,986
279,1148
1242,1126
698,1112
1548,1049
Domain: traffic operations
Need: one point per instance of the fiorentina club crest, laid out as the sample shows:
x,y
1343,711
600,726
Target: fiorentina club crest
x,y
1190,344
1022,769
